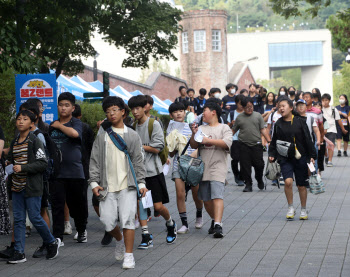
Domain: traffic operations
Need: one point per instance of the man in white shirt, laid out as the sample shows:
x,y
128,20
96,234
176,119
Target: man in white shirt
x,y
332,115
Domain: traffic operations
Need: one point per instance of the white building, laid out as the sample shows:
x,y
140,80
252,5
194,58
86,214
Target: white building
x,y
311,50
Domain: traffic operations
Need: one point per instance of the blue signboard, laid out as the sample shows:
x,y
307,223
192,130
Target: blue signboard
x,y
42,86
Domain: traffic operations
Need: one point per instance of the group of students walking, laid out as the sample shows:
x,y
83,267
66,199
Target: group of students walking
x,y
55,164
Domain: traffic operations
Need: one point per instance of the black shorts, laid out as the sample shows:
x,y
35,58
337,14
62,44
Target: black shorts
x,y
157,186
45,196
340,134
331,137
297,168
95,201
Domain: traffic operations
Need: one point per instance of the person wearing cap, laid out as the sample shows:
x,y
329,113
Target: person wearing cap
x,y
310,122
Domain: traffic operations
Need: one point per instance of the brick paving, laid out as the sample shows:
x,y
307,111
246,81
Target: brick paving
x,y
258,240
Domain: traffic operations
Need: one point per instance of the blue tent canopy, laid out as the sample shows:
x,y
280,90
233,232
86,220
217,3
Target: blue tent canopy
x,y
77,86
136,92
168,102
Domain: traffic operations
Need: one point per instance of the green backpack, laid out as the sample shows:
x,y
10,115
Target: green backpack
x,y
163,154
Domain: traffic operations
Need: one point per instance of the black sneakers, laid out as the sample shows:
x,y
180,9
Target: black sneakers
x,y
261,185
218,232
147,241
211,229
339,153
7,252
107,239
52,249
40,251
345,154
17,258
82,237
172,233
248,189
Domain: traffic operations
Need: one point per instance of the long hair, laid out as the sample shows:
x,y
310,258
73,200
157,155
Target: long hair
x,y
346,99
273,101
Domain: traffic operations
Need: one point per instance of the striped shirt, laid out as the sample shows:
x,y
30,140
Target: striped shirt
x,y
187,133
20,157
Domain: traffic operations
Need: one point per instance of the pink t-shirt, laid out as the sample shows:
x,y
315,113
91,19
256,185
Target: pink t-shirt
x,y
316,114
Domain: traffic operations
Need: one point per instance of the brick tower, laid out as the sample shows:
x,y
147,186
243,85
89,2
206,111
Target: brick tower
x,y
203,49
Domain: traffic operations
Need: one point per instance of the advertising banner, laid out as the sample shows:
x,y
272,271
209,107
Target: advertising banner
x,y
42,86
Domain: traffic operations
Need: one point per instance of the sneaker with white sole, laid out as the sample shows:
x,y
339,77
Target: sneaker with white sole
x,y
183,230
62,243
67,228
303,215
329,164
75,236
17,258
290,213
82,237
199,223
119,250
129,262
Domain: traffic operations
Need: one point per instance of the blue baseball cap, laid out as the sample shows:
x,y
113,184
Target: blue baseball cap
x,y
301,101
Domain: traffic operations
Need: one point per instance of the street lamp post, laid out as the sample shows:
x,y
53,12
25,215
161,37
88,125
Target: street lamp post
x,y
95,66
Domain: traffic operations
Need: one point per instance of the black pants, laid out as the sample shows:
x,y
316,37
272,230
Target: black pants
x,y
251,156
72,191
320,156
235,159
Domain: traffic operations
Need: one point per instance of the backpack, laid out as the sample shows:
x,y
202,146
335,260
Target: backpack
x,y
53,154
163,154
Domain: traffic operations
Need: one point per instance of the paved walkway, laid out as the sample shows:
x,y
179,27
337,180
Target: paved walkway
x,y
258,241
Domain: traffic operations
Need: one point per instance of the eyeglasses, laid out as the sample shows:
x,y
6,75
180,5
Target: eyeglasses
x,y
248,107
112,111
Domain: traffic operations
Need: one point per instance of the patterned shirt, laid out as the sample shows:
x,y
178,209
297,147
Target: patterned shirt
x,y
187,133
20,157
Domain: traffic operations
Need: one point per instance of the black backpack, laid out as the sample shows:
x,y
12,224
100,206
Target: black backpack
x,y
53,154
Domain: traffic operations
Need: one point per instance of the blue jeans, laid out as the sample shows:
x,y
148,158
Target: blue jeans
x,y
316,164
32,205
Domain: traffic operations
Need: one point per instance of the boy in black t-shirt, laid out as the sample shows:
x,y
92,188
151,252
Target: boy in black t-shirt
x,y
229,102
200,102
69,185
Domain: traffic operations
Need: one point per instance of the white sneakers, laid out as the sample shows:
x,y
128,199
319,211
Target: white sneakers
x,y
67,228
183,230
119,250
129,261
290,213
199,223
303,215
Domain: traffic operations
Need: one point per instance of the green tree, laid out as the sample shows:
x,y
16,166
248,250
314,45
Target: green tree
x,y
8,104
40,35
339,26
337,59
341,82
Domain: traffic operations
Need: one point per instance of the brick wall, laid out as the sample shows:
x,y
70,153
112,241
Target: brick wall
x,y
246,79
209,68
160,84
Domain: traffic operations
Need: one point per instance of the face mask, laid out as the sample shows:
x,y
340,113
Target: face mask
x,y
282,93
217,95
292,93
341,101
233,91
